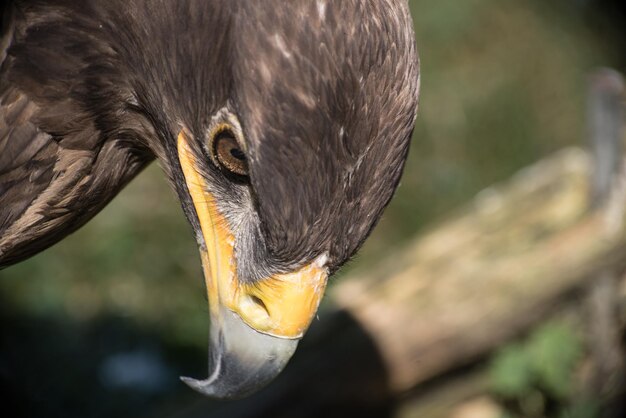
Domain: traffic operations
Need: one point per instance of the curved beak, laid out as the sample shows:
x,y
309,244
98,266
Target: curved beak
x,y
241,360
255,327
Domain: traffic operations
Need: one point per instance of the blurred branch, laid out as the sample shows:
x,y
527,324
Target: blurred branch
x,y
605,121
487,275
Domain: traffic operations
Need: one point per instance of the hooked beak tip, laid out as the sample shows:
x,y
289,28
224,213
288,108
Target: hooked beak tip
x,y
202,386
241,359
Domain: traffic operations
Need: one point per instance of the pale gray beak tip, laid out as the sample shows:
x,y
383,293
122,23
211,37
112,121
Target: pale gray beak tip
x,y
241,359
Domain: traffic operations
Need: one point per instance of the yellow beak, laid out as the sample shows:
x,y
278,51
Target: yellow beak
x,y
280,307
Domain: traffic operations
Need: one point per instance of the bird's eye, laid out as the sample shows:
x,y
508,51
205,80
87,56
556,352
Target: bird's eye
x,y
229,155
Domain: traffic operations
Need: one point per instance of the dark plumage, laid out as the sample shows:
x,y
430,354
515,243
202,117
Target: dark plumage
x,y
323,95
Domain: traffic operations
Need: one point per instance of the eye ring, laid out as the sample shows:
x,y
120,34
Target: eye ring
x,y
228,154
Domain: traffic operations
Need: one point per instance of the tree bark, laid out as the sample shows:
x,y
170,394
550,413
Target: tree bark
x,y
489,274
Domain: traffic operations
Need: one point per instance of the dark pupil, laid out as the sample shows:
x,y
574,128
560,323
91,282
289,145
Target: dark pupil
x,y
238,154
229,154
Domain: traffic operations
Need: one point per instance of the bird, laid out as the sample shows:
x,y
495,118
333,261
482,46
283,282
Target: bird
x,y
283,128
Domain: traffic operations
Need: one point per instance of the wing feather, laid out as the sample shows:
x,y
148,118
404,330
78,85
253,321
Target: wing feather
x,y
55,173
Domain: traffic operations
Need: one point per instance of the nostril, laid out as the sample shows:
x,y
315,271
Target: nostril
x,y
259,302
254,309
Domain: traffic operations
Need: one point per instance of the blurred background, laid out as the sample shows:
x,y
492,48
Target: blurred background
x,y
102,324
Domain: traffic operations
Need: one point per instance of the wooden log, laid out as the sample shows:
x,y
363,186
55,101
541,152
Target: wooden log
x,y
488,274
